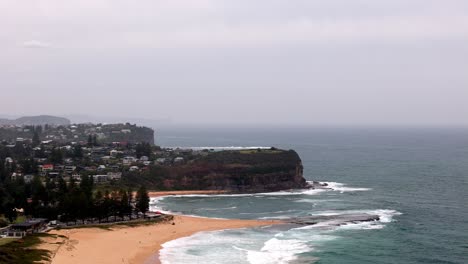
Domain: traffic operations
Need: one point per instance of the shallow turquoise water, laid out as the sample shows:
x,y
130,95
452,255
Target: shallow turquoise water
x,y
416,178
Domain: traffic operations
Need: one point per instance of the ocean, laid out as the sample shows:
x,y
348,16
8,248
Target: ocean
x,y
415,179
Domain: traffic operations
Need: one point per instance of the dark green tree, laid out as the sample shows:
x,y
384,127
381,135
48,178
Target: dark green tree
x,y
78,152
56,155
90,141
36,140
142,200
95,142
143,149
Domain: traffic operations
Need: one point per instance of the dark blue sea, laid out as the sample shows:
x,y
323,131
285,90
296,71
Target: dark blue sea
x,y
415,179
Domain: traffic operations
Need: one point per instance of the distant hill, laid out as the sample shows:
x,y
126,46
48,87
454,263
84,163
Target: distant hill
x,y
36,120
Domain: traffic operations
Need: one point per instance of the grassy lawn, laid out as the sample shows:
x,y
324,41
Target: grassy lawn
x,y
21,251
253,151
20,219
4,241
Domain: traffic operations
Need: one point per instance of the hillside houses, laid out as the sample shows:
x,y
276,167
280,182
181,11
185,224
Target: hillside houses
x,y
73,152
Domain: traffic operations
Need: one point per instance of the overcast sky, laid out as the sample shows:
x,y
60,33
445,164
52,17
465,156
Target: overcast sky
x,y
323,62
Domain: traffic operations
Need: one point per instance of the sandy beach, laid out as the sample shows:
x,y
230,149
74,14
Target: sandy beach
x,y
135,245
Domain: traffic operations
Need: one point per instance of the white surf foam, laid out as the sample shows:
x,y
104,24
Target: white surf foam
x,y
314,202
278,251
340,187
154,205
222,148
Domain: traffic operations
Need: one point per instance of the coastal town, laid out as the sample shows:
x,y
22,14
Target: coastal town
x,y
104,152
46,168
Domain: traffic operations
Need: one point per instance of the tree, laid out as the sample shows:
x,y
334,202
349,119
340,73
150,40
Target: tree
x,y
10,212
35,140
95,143
78,152
130,202
90,141
142,200
125,206
143,149
56,155
98,206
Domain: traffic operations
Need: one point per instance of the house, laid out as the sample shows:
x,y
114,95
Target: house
x,y
100,178
115,153
53,175
106,159
28,178
76,176
134,168
160,161
46,167
178,160
8,160
70,169
128,160
31,226
114,175
14,176
144,158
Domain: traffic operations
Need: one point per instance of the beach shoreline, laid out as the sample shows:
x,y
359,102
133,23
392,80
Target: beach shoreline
x,y
189,192
135,245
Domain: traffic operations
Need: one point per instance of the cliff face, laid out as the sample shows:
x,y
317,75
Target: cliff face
x,y
235,171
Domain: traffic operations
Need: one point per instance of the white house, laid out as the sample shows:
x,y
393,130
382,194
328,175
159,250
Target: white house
x,y
160,161
100,178
178,160
134,168
128,160
114,175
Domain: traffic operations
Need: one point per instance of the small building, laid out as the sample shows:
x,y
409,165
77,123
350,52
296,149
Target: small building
x,y
31,226
46,167
70,169
179,160
115,153
134,168
28,178
53,175
100,178
14,176
160,161
76,176
114,175
128,160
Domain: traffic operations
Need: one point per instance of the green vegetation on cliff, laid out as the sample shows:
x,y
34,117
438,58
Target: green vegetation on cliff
x,y
235,171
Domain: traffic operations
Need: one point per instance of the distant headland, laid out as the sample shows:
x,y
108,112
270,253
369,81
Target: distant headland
x,y
39,120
